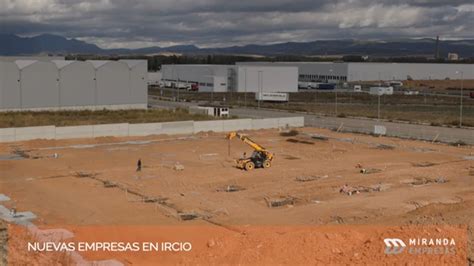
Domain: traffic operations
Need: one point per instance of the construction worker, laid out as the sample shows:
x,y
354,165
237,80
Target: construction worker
x,y
139,165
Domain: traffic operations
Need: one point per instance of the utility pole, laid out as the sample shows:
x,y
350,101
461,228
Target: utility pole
x,y
177,77
213,85
378,96
462,88
378,106
245,94
173,75
260,85
335,92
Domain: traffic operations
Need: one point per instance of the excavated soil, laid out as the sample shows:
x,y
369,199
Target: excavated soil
x,y
94,182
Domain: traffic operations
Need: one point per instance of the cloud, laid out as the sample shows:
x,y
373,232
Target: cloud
x,y
138,23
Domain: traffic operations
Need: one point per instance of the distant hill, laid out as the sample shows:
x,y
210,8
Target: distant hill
x,y
14,45
53,44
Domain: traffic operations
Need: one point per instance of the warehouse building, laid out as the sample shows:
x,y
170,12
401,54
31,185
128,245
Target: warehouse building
x,y
154,78
72,92
38,84
265,78
353,72
60,84
233,78
241,78
207,77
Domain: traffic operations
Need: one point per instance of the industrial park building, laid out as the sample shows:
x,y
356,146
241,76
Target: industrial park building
x,y
233,78
353,72
73,85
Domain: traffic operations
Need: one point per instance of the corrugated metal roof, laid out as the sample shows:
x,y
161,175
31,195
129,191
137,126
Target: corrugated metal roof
x,y
98,63
62,63
133,63
24,63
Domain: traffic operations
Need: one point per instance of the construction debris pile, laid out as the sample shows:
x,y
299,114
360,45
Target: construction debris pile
x,y
280,201
424,181
349,190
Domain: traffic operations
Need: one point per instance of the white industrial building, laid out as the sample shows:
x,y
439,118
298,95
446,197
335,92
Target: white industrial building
x,y
207,77
266,78
75,93
154,78
353,72
59,84
235,78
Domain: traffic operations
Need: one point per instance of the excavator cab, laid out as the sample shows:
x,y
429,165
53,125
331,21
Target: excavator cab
x,y
260,158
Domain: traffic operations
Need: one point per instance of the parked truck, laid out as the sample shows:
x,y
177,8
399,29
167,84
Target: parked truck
x,y
326,86
272,97
381,91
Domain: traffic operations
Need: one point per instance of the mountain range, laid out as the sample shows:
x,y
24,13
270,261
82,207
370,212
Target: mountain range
x,y
12,45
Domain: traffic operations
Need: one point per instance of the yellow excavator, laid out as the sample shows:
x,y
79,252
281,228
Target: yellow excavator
x,y
261,158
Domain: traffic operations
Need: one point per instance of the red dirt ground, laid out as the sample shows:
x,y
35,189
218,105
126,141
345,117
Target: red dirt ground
x,y
409,193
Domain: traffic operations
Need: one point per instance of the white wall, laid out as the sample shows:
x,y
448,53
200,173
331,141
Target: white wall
x,y
375,71
138,80
220,84
10,85
43,85
400,71
201,74
266,78
113,83
310,71
154,78
123,130
39,85
77,85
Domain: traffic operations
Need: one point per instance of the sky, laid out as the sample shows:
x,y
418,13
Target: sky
x,y
218,23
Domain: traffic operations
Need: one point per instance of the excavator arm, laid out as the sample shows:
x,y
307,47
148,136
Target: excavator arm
x,y
246,140
260,158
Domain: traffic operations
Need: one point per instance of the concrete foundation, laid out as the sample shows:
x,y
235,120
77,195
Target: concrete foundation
x,y
21,218
4,197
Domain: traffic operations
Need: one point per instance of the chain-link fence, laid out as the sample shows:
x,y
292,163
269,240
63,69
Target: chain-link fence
x,y
431,117
401,130
434,109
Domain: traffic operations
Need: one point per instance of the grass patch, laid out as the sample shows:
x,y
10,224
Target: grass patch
x,y
435,110
76,118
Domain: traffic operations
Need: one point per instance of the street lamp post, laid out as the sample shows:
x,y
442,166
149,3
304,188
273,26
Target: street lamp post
x,y
173,75
378,98
461,100
378,106
260,85
177,77
245,93
211,74
335,93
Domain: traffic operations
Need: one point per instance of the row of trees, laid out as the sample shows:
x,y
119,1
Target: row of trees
x,y
155,62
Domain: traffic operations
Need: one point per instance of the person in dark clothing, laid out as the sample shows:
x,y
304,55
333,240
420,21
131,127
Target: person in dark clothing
x,y
139,165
